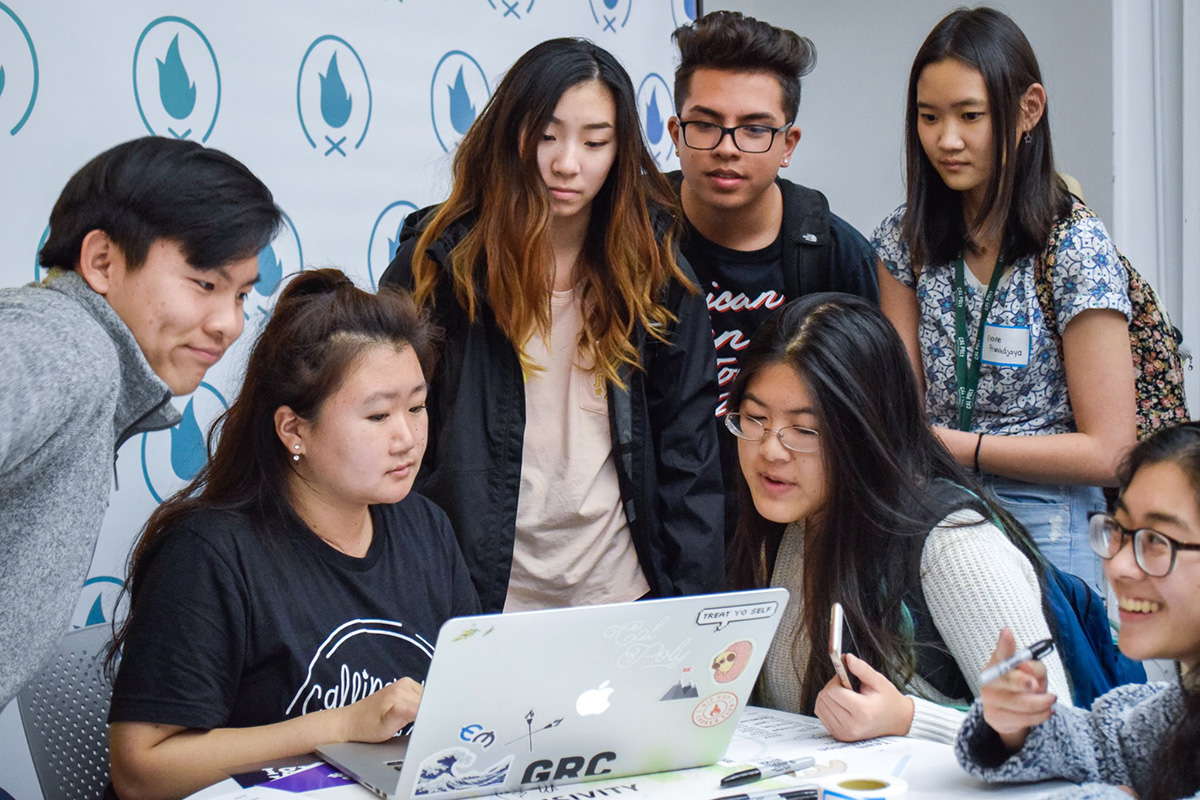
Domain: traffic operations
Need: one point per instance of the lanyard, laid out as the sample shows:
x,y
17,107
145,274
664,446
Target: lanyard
x,y
966,369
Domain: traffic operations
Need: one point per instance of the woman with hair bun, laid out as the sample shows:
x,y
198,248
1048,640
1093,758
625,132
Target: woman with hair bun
x,y
290,595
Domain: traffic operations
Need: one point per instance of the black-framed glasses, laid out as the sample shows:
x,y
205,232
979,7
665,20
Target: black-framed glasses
x,y
795,438
700,135
1154,552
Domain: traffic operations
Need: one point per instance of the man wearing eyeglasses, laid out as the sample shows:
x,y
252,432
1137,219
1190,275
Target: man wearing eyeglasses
x,y
755,240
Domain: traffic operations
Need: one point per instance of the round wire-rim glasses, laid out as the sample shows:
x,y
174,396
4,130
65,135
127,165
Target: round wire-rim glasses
x,y
1153,552
793,437
747,138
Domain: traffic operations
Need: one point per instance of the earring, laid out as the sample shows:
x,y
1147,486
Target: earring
x,y
785,162
297,456
1028,137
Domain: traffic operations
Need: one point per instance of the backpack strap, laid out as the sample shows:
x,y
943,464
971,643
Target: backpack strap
x,y
806,223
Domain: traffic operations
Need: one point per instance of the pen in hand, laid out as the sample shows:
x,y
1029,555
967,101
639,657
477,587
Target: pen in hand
x,y
1034,652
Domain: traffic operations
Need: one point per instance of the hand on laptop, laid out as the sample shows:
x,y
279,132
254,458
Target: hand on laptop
x,y
379,716
877,709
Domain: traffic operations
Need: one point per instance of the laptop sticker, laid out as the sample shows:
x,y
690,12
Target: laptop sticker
x,y
682,689
568,768
642,645
728,665
530,721
450,770
475,734
715,709
724,616
467,633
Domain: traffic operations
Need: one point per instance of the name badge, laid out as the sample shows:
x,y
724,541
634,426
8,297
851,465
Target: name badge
x,y
1005,345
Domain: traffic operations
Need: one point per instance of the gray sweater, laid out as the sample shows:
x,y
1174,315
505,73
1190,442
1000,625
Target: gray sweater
x,y
74,385
1111,745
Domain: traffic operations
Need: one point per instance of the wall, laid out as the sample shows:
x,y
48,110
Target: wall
x,y
79,77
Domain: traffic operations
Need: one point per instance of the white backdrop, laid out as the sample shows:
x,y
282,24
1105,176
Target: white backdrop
x,y
346,109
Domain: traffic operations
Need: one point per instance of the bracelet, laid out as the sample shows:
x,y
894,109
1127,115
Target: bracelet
x,y
978,444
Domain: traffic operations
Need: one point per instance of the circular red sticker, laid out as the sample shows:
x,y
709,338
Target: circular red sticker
x,y
715,709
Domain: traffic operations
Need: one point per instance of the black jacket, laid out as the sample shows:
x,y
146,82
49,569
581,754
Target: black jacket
x,y
663,431
821,251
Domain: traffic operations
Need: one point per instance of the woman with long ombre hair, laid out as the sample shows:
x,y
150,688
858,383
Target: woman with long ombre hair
x,y
572,440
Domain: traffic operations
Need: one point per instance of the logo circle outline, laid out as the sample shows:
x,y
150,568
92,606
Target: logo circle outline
x,y
137,99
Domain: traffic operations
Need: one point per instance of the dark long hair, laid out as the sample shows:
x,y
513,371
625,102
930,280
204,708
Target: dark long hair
x,y
1177,759
881,460
1023,187
322,323
506,255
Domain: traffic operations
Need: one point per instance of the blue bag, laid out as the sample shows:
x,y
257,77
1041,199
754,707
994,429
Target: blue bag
x,y
1082,635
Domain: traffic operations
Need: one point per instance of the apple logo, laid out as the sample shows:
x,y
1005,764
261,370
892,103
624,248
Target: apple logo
x,y
594,701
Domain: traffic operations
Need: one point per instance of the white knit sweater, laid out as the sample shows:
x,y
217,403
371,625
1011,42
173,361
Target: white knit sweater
x,y
975,582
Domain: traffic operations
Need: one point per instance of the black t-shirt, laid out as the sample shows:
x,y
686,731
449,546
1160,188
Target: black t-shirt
x,y
743,288
233,629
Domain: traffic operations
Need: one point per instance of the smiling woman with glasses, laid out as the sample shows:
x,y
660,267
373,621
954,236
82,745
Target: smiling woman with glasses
x,y
1154,552
846,495
1142,739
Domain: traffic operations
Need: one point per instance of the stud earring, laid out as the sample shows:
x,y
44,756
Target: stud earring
x,y
1028,137
296,457
785,162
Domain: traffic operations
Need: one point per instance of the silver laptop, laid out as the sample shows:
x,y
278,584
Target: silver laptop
x,y
540,698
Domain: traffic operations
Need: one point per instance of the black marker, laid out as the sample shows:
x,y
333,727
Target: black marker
x,y
1033,652
769,768
799,793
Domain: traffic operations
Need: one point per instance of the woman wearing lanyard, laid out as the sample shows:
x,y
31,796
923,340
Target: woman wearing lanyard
x,y
957,281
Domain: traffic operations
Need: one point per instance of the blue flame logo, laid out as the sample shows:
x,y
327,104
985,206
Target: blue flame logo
x,y
336,103
187,445
327,101
610,17
462,112
654,120
394,244
185,457
97,602
14,82
458,88
170,93
511,7
284,250
270,271
683,12
390,219
655,104
175,89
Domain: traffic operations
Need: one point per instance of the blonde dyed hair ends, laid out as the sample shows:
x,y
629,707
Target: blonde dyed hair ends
x,y
504,261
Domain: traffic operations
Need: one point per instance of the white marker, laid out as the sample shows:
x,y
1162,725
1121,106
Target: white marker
x,y
1033,652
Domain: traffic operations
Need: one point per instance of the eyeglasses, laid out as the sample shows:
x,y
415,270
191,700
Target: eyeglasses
x,y
747,138
795,438
1154,552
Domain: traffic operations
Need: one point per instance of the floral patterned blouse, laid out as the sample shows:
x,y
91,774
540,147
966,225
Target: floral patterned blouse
x,y
1011,400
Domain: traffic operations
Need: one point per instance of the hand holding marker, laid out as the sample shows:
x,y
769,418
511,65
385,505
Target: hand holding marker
x,y
1034,652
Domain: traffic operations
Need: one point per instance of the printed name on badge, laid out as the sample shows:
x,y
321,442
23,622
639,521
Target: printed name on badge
x,y
1005,345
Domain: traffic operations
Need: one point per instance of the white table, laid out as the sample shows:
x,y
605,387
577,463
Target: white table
x,y
930,769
